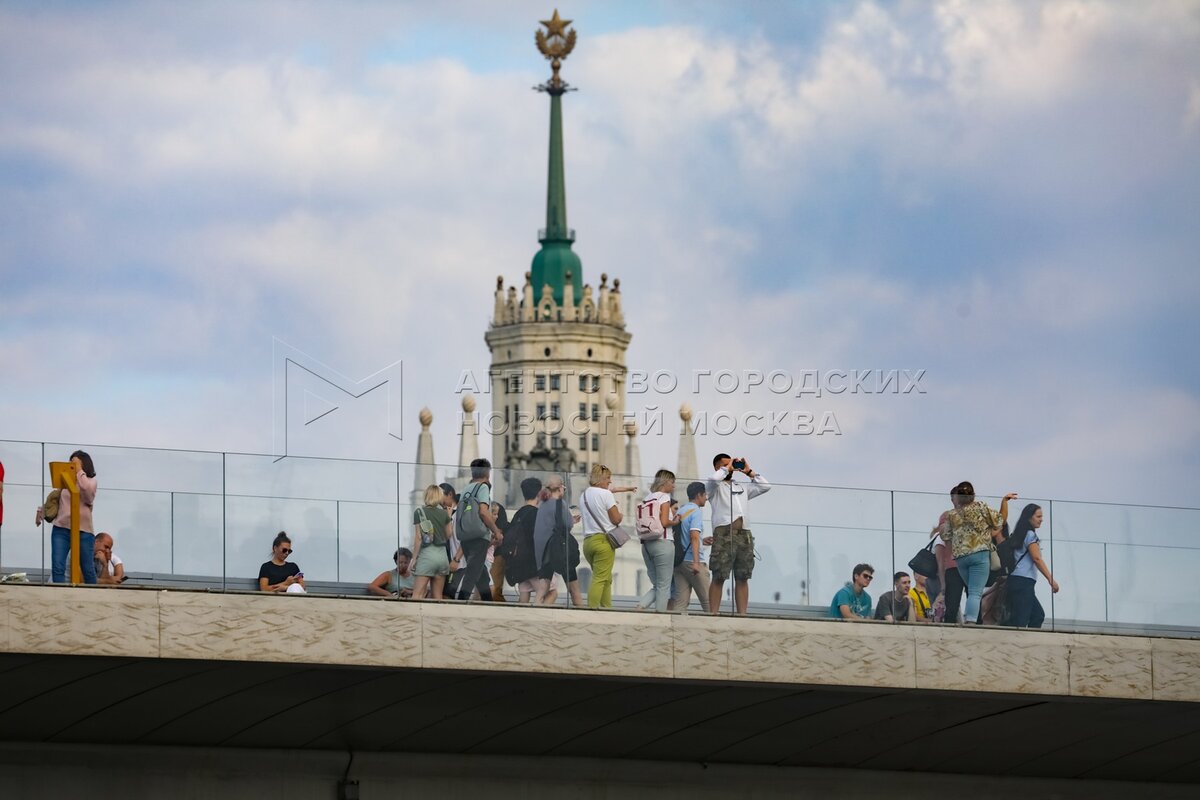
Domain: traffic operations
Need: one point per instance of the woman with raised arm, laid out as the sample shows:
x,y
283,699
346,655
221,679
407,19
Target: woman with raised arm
x,y
600,515
971,529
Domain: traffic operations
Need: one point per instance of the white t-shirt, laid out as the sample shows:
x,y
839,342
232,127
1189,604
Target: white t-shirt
x,y
594,504
112,565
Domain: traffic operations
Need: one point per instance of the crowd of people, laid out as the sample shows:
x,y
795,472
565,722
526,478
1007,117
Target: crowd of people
x,y
465,546
973,552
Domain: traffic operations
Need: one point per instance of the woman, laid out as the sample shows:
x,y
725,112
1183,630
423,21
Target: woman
x,y
971,529
553,513
598,509
396,582
60,533
1023,607
431,532
659,552
279,574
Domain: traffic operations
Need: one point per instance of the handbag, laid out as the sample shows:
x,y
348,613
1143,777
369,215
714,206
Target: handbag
x,y
616,537
925,562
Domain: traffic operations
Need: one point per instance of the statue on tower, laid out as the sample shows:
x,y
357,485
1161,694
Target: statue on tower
x,y
555,43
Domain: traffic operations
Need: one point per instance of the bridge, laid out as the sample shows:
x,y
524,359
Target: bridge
x,y
238,694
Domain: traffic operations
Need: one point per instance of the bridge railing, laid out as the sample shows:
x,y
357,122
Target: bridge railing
x,y
210,517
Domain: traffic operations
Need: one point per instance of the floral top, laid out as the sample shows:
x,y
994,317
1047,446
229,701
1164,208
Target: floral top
x,y
969,529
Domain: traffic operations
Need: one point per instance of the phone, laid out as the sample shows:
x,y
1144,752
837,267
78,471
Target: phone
x,y
299,574
739,463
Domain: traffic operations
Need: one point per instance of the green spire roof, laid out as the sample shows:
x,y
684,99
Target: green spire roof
x,y
556,259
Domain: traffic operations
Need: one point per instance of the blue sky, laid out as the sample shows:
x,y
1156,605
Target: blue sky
x,y
1002,194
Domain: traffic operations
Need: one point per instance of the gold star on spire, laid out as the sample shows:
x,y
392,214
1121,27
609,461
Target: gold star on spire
x,y
556,25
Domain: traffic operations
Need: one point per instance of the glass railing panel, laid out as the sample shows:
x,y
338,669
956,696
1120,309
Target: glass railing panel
x,y
367,540
1112,562
24,489
1140,580
197,536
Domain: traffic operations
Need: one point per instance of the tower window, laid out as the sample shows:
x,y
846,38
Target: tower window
x,y
514,382
596,442
555,382
583,443
539,383
583,411
554,411
547,352
541,411
595,412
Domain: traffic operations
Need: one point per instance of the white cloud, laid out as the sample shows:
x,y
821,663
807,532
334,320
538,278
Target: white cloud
x,y
205,193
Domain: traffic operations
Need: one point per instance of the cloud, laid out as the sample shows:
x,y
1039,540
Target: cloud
x,y
984,191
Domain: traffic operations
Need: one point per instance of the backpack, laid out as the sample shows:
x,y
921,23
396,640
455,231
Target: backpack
x,y
429,533
649,525
50,507
521,563
470,524
1006,550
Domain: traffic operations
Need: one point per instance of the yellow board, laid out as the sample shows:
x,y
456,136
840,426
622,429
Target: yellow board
x,y
62,476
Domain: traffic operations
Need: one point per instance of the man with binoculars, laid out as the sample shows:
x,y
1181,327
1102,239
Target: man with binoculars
x,y
732,542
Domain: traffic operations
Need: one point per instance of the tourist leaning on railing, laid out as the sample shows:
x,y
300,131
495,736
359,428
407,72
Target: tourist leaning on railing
x,y
110,569
60,534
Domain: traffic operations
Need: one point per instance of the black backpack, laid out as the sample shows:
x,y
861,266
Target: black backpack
x,y
521,564
1007,552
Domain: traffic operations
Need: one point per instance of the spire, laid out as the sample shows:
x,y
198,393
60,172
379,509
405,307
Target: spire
x,y
556,260
685,464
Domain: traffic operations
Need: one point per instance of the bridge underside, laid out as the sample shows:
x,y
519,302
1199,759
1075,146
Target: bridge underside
x,y
53,700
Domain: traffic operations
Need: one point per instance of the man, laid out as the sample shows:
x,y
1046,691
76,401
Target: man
x,y
733,543
110,570
479,493
896,604
919,595
520,568
692,572
852,601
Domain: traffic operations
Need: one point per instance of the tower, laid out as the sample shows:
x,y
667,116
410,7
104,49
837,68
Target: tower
x,y
558,347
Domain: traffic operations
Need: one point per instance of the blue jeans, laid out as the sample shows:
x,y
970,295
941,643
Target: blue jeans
x,y
974,569
659,555
1024,610
60,544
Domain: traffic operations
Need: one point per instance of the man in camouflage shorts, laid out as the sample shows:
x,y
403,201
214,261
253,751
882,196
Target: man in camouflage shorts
x,y
733,543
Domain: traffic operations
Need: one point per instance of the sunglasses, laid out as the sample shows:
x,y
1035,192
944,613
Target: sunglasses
x,y
868,576
287,551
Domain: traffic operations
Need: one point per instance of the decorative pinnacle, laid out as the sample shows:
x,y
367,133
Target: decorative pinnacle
x,y
555,43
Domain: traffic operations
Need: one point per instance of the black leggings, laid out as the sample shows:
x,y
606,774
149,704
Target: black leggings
x,y
953,589
475,575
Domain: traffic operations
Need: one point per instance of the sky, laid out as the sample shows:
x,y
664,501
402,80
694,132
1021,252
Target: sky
x,y
1003,195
